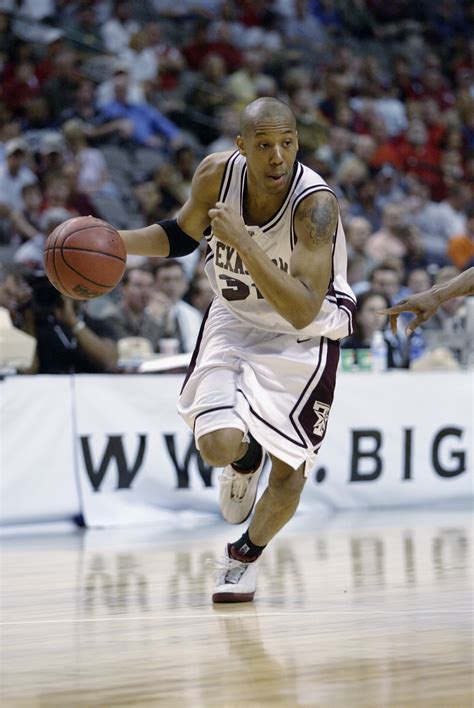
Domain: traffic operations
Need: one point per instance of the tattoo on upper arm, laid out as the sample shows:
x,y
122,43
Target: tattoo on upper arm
x,y
320,220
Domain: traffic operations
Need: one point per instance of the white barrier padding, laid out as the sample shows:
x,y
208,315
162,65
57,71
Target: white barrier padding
x,y
37,480
395,439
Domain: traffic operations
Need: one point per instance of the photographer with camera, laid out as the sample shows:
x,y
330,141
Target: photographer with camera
x,y
69,340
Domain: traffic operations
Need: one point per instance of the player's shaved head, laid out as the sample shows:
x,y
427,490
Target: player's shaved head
x,y
266,112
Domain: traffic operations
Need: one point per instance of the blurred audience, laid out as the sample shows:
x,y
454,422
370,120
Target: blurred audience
x,y
106,108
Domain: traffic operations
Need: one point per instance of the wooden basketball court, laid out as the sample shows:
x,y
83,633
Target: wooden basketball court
x,y
371,609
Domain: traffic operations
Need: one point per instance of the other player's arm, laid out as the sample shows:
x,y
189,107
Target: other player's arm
x,y
166,238
298,295
424,305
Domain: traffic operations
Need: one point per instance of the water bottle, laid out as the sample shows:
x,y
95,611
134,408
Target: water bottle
x,y
416,346
378,352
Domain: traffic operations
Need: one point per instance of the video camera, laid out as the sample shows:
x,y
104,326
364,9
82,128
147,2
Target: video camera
x,y
44,296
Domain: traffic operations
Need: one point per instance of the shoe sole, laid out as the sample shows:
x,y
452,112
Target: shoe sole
x,y
241,521
233,597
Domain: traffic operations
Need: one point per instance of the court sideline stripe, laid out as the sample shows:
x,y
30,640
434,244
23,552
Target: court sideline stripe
x,y
240,615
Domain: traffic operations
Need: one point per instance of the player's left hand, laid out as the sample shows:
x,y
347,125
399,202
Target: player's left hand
x,y
227,224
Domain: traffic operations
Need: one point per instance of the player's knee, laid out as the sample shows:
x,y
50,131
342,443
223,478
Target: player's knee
x,y
286,481
220,447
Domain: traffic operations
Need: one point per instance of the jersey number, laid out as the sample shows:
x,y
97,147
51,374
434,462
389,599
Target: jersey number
x,y
236,289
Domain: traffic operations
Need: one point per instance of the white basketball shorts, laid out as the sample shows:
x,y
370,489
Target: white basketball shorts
x,y
279,387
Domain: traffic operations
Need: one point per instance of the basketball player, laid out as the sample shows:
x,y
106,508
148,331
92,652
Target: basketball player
x,y
424,305
262,375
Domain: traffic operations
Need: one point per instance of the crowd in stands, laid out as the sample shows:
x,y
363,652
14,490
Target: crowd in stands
x,y
107,107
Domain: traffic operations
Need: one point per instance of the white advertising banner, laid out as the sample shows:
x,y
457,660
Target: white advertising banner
x,y
393,439
396,439
135,454
37,480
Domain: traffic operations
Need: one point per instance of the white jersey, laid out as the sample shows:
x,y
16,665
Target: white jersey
x,y
235,287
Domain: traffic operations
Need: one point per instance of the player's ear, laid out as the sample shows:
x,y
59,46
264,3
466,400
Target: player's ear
x,y
297,141
241,145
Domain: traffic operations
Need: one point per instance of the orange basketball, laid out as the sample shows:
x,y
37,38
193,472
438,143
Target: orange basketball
x,y
84,257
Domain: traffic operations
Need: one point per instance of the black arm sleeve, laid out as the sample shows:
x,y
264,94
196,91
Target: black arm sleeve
x,y
180,243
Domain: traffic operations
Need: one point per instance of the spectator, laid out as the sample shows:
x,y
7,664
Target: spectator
x,y
171,188
148,126
52,151
454,206
311,125
438,222
417,156
200,292
390,109
60,190
243,83
120,83
228,127
415,255
200,46
46,64
85,109
179,320
92,175
386,280
209,95
150,200
118,30
85,34
351,173
358,232
387,242
338,148
367,320
30,253
418,281
364,203
26,222
14,175
335,94
185,163
60,89
171,63
388,189
131,316
141,59
68,339
15,293
447,327
21,87
385,152
303,31
461,247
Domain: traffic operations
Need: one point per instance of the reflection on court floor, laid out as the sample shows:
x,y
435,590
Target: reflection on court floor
x,y
367,609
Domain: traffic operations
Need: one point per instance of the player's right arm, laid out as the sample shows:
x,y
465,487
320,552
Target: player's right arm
x,y
193,216
424,305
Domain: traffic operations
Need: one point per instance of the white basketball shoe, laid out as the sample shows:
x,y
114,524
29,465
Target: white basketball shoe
x,y
238,491
236,581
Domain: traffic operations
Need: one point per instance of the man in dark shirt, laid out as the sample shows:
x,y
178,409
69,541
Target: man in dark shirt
x,y
69,341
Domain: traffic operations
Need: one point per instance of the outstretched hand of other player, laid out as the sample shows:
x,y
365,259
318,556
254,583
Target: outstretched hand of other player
x,y
227,224
423,305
